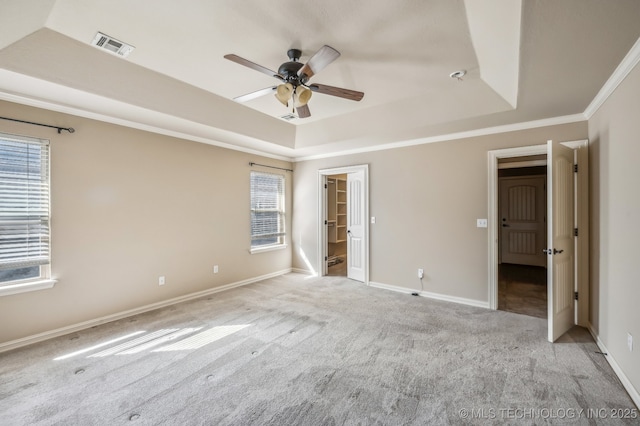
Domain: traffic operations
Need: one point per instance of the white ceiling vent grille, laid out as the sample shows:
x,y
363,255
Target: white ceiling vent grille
x,y
289,117
112,45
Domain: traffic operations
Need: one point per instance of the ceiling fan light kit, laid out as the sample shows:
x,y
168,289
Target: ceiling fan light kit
x,y
284,92
302,96
294,76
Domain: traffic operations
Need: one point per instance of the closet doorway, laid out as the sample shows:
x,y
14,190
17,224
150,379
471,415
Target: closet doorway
x,y
522,235
337,225
343,230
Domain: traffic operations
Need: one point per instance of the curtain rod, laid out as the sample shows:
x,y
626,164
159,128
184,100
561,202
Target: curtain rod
x,y
60,129
271,167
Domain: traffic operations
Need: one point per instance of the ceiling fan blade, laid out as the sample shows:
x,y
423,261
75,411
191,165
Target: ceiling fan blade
x,y
303,111
337,91
256,94
323,57
237,59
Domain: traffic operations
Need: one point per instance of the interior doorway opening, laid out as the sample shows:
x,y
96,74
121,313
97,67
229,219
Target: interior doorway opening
x,y
344,238
567,226
522,235
337,225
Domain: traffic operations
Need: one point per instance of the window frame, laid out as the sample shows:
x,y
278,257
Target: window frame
x,y
281,233
43,280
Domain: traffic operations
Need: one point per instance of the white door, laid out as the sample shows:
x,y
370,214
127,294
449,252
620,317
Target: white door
x,y
560,247
356,222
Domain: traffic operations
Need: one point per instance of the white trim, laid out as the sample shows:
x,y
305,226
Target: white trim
x,y
18,343
624,68
430,295
256,250
303,271
322,211
631,390
7,290
566,119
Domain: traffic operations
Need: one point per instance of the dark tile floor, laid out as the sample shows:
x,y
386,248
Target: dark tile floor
x,y
522,289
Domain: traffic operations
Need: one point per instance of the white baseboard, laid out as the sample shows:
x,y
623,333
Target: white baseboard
x,y
303,271
18,343
430,295
633,392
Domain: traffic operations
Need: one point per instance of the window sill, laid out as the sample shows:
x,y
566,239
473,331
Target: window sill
x,y
264,249
8,290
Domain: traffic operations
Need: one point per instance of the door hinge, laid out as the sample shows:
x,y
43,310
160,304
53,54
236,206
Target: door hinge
x,y
575,232
326,223
326,258
326,186
575,295
575,168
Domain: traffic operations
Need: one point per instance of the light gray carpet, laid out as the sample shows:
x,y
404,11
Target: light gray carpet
x,y
313,351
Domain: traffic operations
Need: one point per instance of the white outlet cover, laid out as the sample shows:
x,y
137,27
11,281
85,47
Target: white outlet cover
x,y
481,223
630,342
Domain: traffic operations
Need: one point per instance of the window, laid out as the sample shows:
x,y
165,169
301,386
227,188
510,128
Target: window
x,y
24,211
267,211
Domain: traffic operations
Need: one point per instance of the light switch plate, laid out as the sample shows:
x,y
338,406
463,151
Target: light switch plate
x,y
481,223
373,219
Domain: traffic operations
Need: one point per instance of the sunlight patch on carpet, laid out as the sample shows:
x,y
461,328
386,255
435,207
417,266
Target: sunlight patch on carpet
x,y
204,338
92,348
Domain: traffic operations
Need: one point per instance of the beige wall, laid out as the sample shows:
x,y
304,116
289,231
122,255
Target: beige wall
x,y
127,207
426,200
614,134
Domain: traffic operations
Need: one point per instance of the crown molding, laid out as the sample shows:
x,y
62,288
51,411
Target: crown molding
x,y
65,109
626,66
566,119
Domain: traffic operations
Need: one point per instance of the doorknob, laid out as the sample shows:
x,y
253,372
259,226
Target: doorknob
x,y
505,225
552,251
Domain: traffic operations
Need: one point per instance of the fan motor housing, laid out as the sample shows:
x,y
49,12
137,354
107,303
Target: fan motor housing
x,y
289,70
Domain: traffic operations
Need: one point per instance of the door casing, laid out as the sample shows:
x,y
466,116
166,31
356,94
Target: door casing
x,y
322,215
582,220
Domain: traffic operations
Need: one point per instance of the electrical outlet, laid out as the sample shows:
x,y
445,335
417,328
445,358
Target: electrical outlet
x,y
481,223
161,281
630,342
420,273
215,269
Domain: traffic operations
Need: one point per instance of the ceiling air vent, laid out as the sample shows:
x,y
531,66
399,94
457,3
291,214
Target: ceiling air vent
x,y
289,117
112,45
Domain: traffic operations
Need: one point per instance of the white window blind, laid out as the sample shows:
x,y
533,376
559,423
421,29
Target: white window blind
x,y
267,209
24,202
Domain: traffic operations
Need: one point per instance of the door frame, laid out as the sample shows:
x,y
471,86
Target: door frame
x,y
581,209
322,215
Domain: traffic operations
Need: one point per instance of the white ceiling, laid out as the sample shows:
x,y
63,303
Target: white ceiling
x,y
525,61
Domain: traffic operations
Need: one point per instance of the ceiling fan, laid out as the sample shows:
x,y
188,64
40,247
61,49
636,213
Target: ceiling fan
x,y
294,77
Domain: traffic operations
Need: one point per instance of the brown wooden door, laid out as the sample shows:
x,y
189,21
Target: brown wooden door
x,y
522,220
